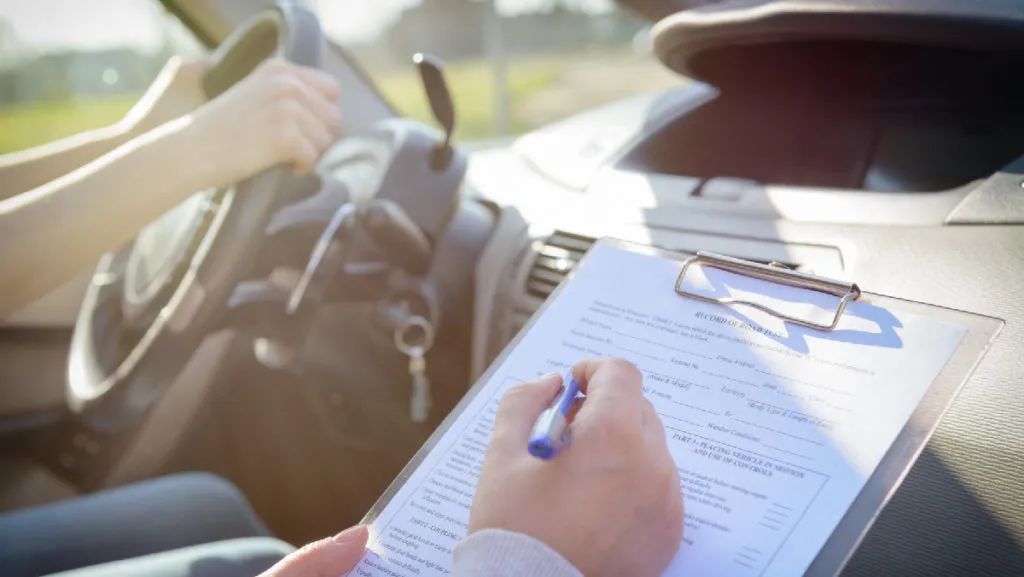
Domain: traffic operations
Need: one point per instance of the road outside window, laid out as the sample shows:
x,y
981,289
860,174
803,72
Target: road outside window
x,y
514,65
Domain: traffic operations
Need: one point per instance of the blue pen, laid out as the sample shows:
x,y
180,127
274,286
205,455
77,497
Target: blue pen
x,y
551,431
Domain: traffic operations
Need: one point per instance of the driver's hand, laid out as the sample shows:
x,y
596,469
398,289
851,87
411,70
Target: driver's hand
x,y
331,557
610,503
176,91
281,113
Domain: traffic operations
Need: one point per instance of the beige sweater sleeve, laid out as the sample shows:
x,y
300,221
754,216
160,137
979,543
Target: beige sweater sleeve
x,y
499,553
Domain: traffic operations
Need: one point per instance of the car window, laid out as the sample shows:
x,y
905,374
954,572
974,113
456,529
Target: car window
x,y
68,65
513,65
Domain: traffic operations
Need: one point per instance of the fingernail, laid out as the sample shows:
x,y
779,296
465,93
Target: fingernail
x,y
350,534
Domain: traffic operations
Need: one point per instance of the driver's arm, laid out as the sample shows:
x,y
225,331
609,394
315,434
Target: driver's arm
x,y
176,91
279,114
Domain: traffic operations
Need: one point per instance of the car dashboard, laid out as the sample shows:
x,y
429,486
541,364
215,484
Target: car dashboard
x,y
604,174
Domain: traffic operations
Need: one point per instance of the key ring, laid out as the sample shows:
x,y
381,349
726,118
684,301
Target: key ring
x,y
406,331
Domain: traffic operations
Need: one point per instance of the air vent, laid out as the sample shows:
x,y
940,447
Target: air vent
x,y
555,257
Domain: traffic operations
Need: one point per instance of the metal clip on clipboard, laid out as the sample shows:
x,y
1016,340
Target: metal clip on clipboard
x,y
773,272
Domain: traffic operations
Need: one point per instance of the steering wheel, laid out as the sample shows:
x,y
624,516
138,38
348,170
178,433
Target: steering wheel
x,y
150,304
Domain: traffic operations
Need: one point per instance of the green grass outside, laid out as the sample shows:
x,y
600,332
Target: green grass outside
x,y
26,125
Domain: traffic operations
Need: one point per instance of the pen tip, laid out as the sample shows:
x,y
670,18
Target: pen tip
x,y
541,448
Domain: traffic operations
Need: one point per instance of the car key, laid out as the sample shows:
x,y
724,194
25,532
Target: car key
x,y
407,343
419,404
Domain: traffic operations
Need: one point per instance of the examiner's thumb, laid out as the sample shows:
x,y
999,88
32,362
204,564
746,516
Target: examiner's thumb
x,y
331,557
521,405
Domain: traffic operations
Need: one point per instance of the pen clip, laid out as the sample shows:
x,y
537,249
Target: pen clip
x,y
775,272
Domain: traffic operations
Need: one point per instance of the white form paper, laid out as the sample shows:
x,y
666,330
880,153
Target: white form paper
x,y
774,428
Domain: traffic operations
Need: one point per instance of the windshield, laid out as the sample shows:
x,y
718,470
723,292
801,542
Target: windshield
x,y
513,65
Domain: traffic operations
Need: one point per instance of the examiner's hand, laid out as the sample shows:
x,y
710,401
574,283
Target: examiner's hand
x,y
610,503
281,113
331,557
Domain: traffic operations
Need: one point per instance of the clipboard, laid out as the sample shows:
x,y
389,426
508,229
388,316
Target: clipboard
x,y
882,484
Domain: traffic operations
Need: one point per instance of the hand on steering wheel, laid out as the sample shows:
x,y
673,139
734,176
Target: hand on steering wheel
x,y
281,113
151,304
